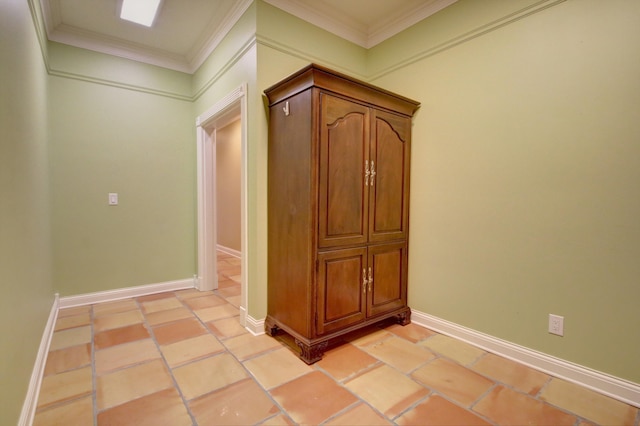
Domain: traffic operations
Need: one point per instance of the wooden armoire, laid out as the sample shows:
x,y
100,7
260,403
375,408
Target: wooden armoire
x,y
338,207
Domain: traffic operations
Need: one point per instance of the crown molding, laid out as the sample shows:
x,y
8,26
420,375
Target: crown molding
x,y
205,46
59,32
394,25
354,32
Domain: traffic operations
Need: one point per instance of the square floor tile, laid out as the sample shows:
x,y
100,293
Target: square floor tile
x,y
118,336
131,383
160,408
117,320
519,376
589,404
116,307
437,411
399,353
346,361
76,310
453,380
360,415
191,349
506,406
387,390
367,336
217,312
65,386
156,296
207,375
204,302
163,317
179,330
229,406
277,367
68,359
457,350
247,345
227,327
158,305
412,332
312,398
70,337
75,413
72,321
191,293
120,356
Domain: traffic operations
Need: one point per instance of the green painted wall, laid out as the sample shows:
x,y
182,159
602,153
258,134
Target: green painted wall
x,y
25,243
109,139
525,180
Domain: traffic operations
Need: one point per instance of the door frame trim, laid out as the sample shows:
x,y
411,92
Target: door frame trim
x,y
206,123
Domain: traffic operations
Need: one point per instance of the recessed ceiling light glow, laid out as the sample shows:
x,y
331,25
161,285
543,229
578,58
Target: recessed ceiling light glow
x,y
141,12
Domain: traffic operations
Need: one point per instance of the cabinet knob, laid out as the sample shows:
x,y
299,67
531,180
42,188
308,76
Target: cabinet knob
x,y
370,279
364,280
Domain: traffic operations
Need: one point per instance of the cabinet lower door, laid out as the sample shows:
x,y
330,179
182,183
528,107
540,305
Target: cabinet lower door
x,y
388,280
341,293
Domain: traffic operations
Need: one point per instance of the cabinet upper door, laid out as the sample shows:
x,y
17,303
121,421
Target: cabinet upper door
x,y
343,197
389,186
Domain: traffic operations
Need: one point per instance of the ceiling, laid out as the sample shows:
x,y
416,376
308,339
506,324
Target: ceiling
x,y
187,31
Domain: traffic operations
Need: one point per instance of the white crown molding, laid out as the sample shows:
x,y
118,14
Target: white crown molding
x,y
61,33
354,32
622,390
393,26
350,32
205,46
117,47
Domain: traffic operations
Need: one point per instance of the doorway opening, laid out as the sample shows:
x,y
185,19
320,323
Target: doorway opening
x,y
212,128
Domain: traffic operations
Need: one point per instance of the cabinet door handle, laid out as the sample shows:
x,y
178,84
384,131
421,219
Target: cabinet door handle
x,y
370,279
373,173
367,173
364,280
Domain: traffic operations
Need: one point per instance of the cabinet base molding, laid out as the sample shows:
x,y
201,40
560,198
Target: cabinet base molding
x,y
312,350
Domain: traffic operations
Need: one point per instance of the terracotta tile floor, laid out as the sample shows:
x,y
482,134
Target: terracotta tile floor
x,y
182,358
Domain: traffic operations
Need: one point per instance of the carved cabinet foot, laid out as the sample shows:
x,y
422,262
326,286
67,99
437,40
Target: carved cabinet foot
x,y
311,353
271,328
404,318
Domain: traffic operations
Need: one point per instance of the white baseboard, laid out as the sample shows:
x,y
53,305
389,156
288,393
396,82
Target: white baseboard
x,y
614,387
31,400
229,251
125,293
255,326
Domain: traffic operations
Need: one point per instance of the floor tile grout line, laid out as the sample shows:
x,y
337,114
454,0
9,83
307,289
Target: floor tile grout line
x,y
166,363
94,377
250,375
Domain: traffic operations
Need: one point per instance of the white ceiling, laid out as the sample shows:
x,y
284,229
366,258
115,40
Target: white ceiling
x,y
187,31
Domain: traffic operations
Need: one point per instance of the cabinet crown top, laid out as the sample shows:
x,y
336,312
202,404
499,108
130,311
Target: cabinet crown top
x,y
316,76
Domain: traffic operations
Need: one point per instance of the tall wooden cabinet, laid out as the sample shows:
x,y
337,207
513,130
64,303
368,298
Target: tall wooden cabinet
x,y
338,207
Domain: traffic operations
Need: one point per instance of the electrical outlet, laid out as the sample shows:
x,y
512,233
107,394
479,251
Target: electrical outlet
x,y
556,324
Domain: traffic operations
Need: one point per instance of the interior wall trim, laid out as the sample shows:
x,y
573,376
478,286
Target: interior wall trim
x,y
620,389
229,251
284,48
125,293
31,400
255,326
468,36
